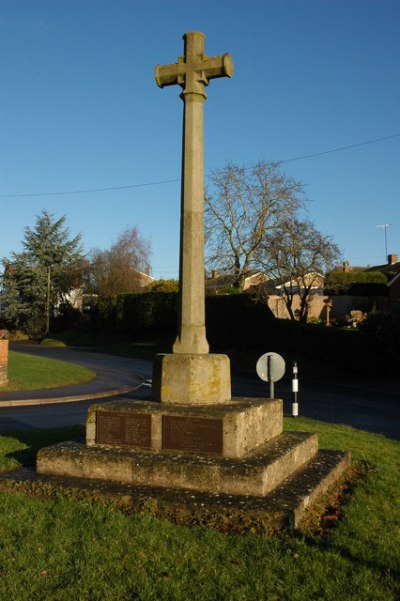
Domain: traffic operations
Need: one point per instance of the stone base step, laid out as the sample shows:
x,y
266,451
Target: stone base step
x,y
283,508
257,474
232,429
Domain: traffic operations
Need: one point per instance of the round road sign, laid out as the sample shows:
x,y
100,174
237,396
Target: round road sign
x,y
270,367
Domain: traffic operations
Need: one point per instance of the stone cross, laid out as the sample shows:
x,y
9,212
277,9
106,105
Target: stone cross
x,y
193,72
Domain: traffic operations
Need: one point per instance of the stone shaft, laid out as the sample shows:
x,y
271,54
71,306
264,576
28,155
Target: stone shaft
x,y
191,325
192,72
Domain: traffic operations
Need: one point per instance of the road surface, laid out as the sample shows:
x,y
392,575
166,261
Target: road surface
x,y
366,408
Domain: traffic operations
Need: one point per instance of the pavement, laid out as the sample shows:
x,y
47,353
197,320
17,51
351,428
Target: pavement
x,y
115,376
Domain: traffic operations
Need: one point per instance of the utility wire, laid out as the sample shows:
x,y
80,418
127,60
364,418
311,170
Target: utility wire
x,y
340,149
171,181
89,191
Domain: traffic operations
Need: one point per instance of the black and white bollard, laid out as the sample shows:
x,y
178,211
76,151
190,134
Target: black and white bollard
x,y
295,390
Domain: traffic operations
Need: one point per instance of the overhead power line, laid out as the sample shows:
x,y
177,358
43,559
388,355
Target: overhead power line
x,y
339,149
90,190
172,181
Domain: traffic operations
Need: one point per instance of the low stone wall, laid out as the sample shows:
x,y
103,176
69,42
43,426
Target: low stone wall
x,y
3,362
342,305
316,307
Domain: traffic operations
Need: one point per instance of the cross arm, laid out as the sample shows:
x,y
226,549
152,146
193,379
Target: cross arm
x,y
168,75
217,66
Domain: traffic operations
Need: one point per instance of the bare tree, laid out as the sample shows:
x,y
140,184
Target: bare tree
x,y
297,256
122,268
242,208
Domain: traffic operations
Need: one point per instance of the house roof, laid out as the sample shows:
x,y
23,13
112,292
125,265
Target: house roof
x,y
312,274
224,279
393,280
391,271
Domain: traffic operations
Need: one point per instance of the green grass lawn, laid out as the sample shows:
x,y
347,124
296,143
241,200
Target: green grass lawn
x,y
26,372
62,548
110,342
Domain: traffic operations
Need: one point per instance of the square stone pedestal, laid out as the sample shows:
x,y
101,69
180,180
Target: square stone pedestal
x,y
191,379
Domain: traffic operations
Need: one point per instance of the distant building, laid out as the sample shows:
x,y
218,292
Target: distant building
x,y
80,300
347,268
313,279
366,296
220,284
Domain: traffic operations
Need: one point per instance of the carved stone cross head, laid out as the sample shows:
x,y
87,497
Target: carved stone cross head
x,y
194,70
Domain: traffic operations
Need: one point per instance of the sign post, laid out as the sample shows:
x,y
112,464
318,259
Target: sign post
x,y
271,368
295,390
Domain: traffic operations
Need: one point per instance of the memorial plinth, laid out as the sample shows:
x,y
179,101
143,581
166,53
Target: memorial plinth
x,y
192,436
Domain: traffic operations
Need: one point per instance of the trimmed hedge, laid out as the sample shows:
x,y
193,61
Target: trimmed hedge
x,y
147,311
361,289
239,322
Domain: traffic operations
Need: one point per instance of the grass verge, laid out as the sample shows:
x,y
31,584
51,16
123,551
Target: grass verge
x,y
64,548
26,372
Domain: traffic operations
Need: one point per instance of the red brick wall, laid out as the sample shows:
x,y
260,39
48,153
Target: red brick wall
x,y
3,362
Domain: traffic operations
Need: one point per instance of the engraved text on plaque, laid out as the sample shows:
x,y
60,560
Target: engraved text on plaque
x,y
116,428
192,434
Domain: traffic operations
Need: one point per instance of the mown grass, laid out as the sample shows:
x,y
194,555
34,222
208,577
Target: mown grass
x,y
116,343
64,548
26,372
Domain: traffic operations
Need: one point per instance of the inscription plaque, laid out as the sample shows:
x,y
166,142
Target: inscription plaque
x,y
116,428
193,434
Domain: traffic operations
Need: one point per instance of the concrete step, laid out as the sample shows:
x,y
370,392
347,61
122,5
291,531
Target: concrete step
x,y
257,474
281,509
232,429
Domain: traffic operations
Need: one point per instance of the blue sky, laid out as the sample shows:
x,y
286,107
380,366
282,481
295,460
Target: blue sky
x,y
80,110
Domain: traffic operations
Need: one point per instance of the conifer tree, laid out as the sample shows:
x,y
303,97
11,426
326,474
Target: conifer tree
x,y
37,280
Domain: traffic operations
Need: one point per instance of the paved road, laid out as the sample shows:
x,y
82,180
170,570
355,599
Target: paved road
x,y
366,408
114,374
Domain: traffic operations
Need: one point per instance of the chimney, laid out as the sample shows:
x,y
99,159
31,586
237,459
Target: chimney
x,y
393,259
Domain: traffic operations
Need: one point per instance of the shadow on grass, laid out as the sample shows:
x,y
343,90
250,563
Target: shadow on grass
x,y
329,546
37,439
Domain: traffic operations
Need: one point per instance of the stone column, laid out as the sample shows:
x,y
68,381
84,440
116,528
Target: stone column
x,y
191,324
191,375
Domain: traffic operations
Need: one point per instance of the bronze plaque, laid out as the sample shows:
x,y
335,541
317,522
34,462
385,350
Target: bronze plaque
x,y
192,434
116,428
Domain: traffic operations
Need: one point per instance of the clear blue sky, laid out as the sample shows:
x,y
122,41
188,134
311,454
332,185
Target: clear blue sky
x,y
80,110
